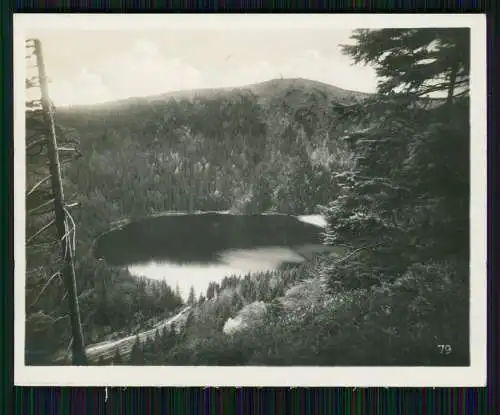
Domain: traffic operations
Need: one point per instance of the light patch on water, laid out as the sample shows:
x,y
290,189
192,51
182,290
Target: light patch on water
x,y
260,259
316,220
232,262
235,262
185,276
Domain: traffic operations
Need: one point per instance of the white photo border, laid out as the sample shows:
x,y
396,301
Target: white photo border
x,y
474,375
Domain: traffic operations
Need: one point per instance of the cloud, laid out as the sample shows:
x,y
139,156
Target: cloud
x,y
144,69
141,71
237,74
84,88
333,68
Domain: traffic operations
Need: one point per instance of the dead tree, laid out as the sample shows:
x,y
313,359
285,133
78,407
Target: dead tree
x,y
41,200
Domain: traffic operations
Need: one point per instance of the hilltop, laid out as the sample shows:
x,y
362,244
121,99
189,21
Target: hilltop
x,y
274,90
247,149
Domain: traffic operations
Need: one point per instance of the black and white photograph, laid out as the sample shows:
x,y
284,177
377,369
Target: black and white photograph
x,y
250,200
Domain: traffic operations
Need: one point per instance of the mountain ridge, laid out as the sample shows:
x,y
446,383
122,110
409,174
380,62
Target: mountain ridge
x,y
265,90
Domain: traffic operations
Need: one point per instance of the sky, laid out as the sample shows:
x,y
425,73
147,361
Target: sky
x,y
95,66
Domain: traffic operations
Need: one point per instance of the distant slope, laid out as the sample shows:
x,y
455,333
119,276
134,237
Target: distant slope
x,y
261,147
268,91
274,88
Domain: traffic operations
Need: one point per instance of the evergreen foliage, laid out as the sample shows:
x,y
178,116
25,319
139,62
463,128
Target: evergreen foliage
x,y
390,172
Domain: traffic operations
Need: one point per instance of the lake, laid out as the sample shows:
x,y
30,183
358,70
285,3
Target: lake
x,y
193,249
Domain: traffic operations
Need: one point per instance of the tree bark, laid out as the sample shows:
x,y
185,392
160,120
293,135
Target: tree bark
x,y
78,349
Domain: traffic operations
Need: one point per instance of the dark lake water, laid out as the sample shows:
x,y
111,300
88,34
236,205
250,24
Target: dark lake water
x,y
195,249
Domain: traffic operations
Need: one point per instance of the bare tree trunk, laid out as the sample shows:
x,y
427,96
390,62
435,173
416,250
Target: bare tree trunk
x,y
78,349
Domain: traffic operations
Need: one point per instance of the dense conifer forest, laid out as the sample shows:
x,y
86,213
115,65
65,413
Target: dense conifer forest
x,y
389,171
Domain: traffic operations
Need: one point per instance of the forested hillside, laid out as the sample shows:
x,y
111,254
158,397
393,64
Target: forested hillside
x,y
389,171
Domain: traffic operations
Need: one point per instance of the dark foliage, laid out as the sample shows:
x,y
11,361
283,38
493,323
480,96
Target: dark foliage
x,y
390,172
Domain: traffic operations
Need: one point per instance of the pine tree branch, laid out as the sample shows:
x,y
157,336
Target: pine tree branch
x,y
38,184
44,288
35,143
354,253
44,204
52,222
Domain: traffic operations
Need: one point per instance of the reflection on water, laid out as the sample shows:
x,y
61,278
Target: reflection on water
x,y
316,220
234,262
193,249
